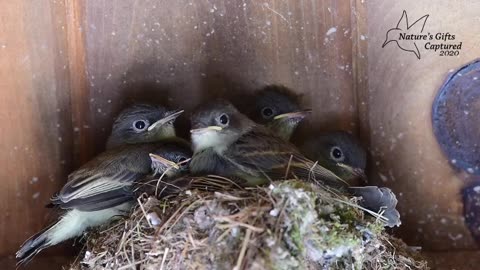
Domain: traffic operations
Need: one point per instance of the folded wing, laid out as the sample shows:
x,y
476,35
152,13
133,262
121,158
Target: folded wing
x,y
258,152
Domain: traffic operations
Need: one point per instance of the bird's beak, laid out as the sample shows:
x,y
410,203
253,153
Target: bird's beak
x,y
201,130
360,173
170,117
291,115
164,161
357,172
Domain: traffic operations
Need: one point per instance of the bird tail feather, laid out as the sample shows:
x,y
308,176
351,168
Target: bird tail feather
x,y
33,246
379,199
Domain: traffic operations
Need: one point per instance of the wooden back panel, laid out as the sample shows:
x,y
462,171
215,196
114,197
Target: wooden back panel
x,y
68,68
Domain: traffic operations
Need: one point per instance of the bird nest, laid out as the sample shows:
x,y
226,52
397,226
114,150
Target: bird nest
x,y
288,225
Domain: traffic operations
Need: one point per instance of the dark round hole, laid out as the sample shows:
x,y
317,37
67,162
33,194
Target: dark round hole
x,y
455,114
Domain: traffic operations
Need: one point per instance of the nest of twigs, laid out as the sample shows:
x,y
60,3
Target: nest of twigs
x,y
289,225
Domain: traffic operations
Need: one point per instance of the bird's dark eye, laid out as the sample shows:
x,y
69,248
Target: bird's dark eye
x,y
223,119
181,160
336,154
267,112
140,125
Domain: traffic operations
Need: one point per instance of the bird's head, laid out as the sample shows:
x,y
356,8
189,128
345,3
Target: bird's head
x,y
142,123
278,108
216,124
171,159
340,152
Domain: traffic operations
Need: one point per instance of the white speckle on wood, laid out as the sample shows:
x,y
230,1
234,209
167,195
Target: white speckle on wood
x,y
455,237
36,195
34,180
331,31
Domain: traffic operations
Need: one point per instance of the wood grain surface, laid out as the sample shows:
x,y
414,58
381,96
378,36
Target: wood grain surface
x,y
36,134
185,52
69,66
404,152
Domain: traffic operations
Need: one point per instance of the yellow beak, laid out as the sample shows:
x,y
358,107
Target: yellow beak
x,y
165,120
200,130
301,114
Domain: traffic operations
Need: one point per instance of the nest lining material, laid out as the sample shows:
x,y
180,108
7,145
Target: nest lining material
x,y
289,225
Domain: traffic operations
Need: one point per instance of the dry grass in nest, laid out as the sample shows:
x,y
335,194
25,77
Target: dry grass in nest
x,y
289,225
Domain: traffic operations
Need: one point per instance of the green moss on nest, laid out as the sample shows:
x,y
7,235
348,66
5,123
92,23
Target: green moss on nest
x,y
292,224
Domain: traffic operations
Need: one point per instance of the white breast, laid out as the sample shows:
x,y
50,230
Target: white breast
x,y
207,139
75,222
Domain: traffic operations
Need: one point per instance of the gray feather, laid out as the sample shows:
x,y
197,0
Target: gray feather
x,y
379,200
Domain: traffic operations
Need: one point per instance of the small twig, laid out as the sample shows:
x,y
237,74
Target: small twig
x,y
230,197
144,212
131,265
243,250
288,166
375,214
236,223
160,180
164,258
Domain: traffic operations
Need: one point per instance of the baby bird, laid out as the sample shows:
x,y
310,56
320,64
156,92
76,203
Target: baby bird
x,y
103,188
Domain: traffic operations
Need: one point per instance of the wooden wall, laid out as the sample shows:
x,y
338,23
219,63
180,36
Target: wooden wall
x,y
404,152
187,51
35,113
67,67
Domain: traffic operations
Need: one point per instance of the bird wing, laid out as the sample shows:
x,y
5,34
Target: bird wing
x,y
208,161
260,153
103,182
97,192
